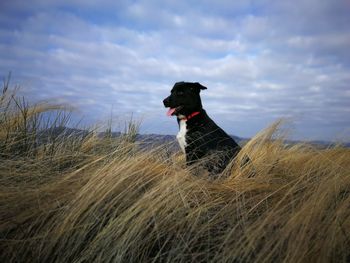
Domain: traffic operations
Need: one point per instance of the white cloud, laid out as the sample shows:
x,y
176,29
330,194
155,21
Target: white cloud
x,y
259,61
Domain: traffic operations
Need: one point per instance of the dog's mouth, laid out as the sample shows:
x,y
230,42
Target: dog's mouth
x,y
173,111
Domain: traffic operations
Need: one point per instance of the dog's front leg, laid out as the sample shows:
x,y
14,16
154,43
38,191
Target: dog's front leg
x,y
193,155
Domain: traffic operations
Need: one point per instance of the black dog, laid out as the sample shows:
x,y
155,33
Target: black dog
x,y
199,136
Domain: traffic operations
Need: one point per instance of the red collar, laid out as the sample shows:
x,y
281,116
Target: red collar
x,y
191,115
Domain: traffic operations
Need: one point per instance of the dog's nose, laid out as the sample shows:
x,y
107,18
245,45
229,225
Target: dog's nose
x,y
166,102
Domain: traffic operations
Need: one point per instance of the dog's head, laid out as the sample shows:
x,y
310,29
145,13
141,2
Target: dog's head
x,y
184,98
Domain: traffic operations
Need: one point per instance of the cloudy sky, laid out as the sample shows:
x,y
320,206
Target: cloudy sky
x,y
261,60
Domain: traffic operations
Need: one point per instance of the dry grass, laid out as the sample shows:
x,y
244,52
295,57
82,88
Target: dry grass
x,y
91,199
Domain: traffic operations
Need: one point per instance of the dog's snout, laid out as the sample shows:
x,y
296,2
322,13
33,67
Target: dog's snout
x,y
166,102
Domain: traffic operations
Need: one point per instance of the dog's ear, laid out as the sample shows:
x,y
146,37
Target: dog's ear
x,y
198,87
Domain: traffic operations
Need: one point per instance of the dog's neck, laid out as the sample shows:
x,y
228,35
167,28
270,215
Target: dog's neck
x,y
181,117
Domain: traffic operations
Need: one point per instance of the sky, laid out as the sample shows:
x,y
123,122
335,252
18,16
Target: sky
x,y
260,60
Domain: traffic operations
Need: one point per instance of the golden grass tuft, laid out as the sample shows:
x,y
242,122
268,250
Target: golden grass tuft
x,y
94,199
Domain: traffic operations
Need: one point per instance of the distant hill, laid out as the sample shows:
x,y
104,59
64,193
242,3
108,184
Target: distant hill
x,y
158,139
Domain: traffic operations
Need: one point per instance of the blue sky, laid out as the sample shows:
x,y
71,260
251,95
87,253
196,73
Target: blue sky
x,y
261,60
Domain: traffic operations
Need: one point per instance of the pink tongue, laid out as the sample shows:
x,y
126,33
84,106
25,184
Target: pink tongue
x,y
170,111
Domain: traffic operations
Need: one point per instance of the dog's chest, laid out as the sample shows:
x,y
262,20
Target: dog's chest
x,y
181,136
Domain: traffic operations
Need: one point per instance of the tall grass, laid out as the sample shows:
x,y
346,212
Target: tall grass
x,y
90,199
